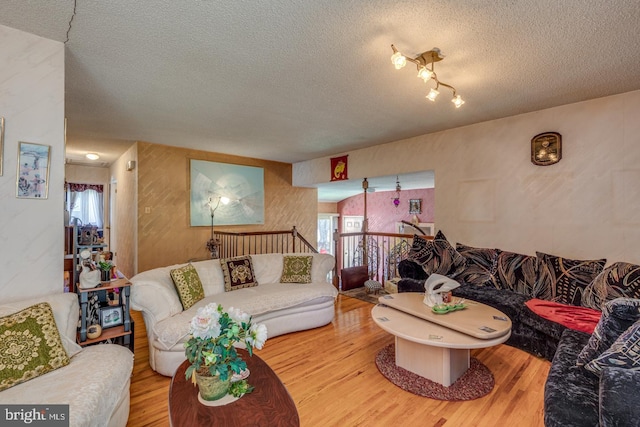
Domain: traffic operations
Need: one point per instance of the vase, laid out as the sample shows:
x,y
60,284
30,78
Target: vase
x,y
105,275
212,388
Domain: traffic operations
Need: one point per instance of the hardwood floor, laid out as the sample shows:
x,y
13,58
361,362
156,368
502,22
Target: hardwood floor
x,y
331,374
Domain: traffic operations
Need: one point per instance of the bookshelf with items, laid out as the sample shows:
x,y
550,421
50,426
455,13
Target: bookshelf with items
x,y
113,315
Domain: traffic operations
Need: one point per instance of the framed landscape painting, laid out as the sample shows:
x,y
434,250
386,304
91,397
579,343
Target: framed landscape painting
x,y
241,188
33,171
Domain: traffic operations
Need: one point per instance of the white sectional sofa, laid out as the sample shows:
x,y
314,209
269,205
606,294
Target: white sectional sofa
x,y
95,384
282,307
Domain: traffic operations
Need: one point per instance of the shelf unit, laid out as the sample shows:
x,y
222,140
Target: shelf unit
x,y
125,330
77,248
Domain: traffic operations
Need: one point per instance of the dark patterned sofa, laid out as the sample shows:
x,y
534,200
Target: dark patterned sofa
x,y
510,282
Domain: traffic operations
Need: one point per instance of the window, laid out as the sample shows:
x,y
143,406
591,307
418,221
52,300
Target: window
x,y
85,202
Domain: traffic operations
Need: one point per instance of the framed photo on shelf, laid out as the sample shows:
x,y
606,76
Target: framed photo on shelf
x,y
111,316
415,206
33,171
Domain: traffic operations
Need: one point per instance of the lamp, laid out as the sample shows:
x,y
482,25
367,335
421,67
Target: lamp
x,y
425,64
213,245
396,200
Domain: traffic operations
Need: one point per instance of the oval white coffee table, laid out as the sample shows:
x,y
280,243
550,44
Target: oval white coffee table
x,y
428,344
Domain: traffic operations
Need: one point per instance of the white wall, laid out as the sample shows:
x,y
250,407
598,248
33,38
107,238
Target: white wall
x,y
489,194
32,103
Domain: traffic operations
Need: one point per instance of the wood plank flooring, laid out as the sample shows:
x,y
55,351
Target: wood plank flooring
x,y
331,375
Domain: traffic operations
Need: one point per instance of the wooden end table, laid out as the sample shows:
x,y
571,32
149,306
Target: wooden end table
x,y
269,404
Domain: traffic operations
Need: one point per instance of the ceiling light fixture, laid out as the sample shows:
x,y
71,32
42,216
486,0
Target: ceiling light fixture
x,y
425,62
396,200
92,156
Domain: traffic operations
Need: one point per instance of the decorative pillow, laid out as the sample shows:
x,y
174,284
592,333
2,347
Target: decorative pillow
x,y
570,277
623,353
437,256
617,316
620,279
238,273
188,285
524,274
296,269
30,345
482,265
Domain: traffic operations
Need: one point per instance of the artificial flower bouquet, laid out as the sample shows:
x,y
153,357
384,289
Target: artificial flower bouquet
x,y
210,348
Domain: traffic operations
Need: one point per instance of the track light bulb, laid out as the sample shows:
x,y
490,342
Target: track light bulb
x,y
398,60
424,74
457,101
432,95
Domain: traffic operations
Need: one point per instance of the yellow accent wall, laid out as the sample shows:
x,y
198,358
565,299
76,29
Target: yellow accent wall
x,y
164,236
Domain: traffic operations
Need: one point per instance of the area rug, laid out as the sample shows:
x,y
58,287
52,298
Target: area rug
x,y
476,382
361,294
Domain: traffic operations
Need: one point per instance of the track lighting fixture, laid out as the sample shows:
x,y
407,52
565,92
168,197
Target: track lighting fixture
x,y
425,64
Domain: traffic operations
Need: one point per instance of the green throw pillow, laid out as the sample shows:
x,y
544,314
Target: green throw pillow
x,y
30,345
188,285
296,269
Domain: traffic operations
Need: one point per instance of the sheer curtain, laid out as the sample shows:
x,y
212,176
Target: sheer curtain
x,y
85,202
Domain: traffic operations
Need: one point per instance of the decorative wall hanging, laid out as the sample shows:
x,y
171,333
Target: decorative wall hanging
x,y
415,206
33,171
242,186
339,168
546,148
1,143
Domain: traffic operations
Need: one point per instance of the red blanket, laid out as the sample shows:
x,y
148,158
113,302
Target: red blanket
x,y
579,318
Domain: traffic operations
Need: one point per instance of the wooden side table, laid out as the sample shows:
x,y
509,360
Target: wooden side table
x,y
125,330
269,404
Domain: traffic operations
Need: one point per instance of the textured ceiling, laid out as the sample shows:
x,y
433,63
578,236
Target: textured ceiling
x,y
291,80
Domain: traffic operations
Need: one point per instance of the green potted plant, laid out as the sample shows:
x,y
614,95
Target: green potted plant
x,y
210,350
105,270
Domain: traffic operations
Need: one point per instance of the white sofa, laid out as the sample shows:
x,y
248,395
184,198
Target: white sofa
x,y
95,384
282,307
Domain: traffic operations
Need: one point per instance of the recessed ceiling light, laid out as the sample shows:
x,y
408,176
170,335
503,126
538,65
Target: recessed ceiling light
x,y
92,156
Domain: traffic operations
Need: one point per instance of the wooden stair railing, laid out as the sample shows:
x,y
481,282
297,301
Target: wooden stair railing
x,y
262,242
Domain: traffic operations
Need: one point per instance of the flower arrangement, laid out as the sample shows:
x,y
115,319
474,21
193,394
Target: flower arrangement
x,y
210,348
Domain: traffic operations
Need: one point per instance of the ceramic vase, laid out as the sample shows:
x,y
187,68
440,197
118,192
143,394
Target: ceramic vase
x,y
105,276
212,388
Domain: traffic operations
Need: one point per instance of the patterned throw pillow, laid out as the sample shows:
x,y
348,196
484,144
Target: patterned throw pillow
x,y
570,277
238,273
30,345
623,353
437,256
188,285
617,316
620,279
482,265
296,269
524,274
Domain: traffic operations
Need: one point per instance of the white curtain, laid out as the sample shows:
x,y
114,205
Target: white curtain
x,y
86,203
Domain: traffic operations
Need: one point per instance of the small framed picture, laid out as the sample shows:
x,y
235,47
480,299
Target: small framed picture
x,y
415,206
33,171
111,316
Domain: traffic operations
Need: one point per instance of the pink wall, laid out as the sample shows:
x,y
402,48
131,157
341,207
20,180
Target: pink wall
x,y
381,211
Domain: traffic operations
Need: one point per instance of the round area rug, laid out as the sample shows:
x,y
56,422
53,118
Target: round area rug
x,y
474,383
